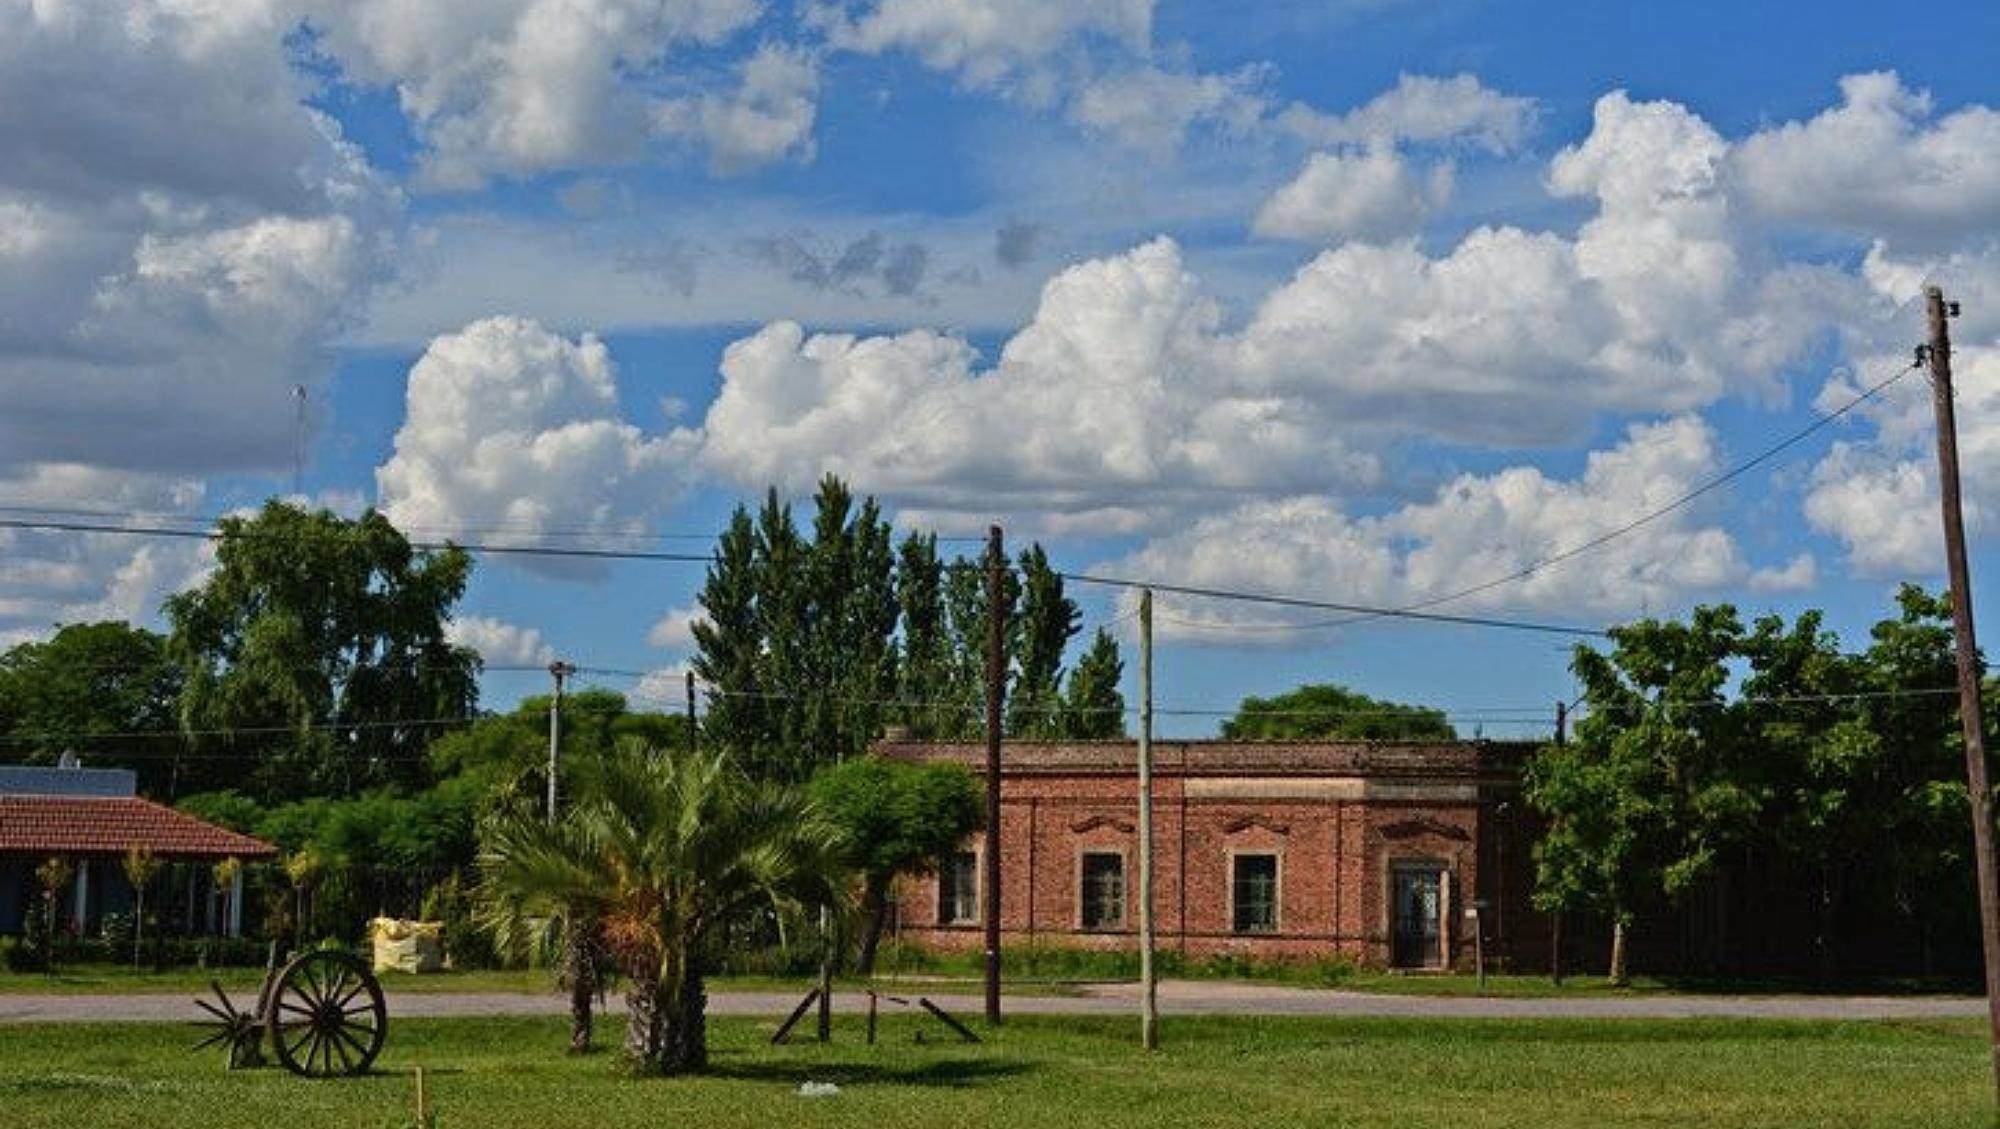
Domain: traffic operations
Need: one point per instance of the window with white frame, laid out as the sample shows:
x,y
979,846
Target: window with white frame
x,y
1253,893
1102,901
958,888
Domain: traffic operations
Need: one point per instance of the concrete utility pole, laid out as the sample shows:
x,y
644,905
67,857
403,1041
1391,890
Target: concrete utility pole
x,y
1149,988
1969,712
694,728
559,670
996,690
1555,915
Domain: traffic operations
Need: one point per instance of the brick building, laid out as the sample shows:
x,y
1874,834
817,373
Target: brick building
x,y
1372,851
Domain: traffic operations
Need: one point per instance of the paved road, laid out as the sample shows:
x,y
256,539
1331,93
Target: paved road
x,y
1178,997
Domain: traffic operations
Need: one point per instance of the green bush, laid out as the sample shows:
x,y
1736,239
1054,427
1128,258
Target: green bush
x,y
465,944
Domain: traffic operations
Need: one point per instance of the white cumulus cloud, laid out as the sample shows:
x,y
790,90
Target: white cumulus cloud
x,y
1474,529
1128,396
1880,165
500,643
52,577
992,42
519,87
767,118
183,234
1110,399
514,432
1372,195
1152,109
1422,108
675,630
1877,493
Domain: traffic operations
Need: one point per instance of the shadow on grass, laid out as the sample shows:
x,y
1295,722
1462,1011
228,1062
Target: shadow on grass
x,y
947,1073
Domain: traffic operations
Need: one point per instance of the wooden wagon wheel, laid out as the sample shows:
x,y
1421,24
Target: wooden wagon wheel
x,y
241,1032
326,1015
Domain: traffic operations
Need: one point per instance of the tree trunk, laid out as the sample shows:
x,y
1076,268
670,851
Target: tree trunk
x,y
1617,976
1826,961
642,1021
580,970
875,913
669,1017
687,1039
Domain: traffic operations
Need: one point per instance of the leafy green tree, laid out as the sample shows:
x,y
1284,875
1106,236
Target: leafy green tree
x,y
896,818
504,758
1046,621
1657,781
667,850
1323,711
1092,707
228,808
1922,804
1817,762
104,690
316,651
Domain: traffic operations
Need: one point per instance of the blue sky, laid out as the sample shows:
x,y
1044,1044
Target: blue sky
x,y
1365,302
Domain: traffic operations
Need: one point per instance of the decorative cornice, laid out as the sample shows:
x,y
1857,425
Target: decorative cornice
x,y
1249,821
1411,828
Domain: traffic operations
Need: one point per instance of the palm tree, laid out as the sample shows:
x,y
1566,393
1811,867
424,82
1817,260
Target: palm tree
x,y
663,850
521,922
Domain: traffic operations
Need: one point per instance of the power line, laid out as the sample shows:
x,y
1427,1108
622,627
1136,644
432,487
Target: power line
x,y
1364,610
1677,503
73,526
1718,482
501,529
1356,613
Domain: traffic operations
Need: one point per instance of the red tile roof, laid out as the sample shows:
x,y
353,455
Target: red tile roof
x,y
84,825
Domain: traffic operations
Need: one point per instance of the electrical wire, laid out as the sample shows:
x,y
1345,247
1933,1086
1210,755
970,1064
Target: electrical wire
x,y
1739,470
1365,610
1490,715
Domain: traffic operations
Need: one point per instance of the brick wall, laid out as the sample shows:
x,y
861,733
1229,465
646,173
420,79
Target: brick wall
x,y
1340,820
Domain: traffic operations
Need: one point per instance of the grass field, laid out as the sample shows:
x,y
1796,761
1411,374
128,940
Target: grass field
x,y
1047,1073
120,980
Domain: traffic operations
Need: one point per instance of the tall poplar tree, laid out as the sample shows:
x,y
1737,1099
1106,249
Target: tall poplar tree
x,y
1092,707
1040,632
729,639
795,638
924,671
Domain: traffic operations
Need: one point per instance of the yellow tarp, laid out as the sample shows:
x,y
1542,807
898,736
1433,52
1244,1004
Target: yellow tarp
x,y
407,946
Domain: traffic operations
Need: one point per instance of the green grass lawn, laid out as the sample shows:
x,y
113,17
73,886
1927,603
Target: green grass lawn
x,y
1047,1073
120,979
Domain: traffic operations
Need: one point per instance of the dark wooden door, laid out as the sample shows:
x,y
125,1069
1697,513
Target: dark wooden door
x,y
1418,921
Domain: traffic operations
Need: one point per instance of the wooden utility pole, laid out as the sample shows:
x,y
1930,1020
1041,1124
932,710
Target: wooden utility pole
x,y
1969,711
1149,994
560,670
996,690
